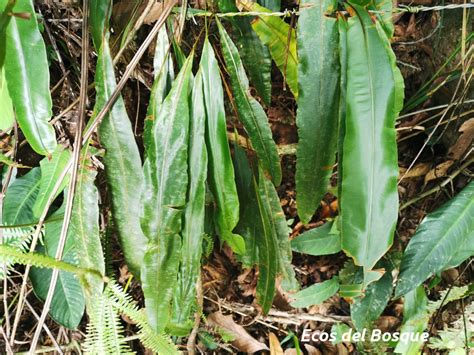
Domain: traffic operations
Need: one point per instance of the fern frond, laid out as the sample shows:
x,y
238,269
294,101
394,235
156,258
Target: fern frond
x,y
123,303
104,331
453,339
11,255
15,237
453,294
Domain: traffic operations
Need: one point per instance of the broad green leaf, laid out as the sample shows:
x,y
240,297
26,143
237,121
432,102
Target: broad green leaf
x,y
318,103
20,199
273,5
99,15
369,207
315,294
221,170
68,303
365,310
267,253
383,10
279,232
164,75
27,76
164,199
250,112
255,55
6,107
281,41
122,159
415,320
85,227
438,238
323,240
194,213
51,169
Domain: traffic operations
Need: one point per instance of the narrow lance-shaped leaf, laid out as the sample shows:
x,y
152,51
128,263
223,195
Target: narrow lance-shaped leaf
x,y
323,240
279,232
51,169
250,112
255,55
267,260
68,303
221,171
164,75
369,208
281,41
438,238
164,199
6,106
27,75
20,199
122,159
318,103
316,294
85,227
194,213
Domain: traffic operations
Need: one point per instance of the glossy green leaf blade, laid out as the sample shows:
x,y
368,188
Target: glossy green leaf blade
x,y
194,213
164,75
323,240
164,199
6,106
366,310
68,303
254,54
267,254
221,170
250,112
122,163
85,227
415,320
316,294
369,208
27,75
279,232
318,103
20,199
281,41
437,239
51,169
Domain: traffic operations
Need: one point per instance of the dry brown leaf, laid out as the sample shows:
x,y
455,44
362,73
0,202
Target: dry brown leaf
x,y
439,171
154,14
464,142
243,340
312,350
275,347
291,352
418,170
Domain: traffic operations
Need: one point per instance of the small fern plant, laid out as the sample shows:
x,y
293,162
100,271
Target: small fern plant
x,y
105,332
17,238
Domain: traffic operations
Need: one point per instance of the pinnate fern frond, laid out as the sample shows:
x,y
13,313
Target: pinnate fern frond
x,y
15,237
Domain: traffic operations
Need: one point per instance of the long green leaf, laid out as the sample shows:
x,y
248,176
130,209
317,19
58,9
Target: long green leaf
x,y
164,199
318,103
221,170
122,159
316,294
438,238
51,170
250,112
279,232
85,227
370,165
20,199
27,75
194,214
281,41
323,240
255,55
68,303
164,75
364,311
6,106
